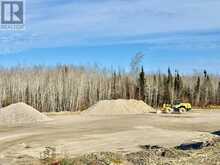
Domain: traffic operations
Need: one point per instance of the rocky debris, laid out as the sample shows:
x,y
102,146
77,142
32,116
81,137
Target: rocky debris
x,y
150,147
151,155
103,158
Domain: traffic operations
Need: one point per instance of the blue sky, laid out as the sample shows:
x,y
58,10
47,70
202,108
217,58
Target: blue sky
x,y
183,35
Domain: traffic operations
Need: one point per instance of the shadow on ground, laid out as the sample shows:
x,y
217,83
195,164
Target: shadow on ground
x,y
216,133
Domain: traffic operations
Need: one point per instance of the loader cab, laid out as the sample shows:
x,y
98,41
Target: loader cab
x,y
177,102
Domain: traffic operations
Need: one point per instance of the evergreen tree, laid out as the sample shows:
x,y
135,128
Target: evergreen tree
x,y
154,92
177,85
205,73
170,78
170,85
27,95
206,91
113,86
166,90
142,84
196,92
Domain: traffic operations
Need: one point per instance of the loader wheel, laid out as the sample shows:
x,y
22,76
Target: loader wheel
x,y
182,110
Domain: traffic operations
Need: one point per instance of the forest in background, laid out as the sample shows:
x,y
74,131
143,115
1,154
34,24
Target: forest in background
x,y
74,88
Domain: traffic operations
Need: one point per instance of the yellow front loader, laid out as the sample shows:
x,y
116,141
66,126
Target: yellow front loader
x,y
177,107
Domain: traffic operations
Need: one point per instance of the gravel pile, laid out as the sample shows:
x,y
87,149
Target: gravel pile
x,y
20,113
117,107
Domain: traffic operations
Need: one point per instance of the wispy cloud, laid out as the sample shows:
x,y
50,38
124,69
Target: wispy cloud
x,y
54,23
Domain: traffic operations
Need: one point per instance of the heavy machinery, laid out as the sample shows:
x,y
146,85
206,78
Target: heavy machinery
x,y
177,107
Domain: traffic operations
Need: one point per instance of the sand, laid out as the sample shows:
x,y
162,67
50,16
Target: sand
x,y
119,107
74,135
20,113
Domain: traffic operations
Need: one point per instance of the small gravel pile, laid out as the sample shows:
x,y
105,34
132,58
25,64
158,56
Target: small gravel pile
x,y
117,107
20,113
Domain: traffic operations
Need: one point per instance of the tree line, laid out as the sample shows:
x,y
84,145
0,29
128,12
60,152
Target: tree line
x,y
71,88
201,90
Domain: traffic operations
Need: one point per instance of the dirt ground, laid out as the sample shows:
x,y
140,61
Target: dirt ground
x,y
74,134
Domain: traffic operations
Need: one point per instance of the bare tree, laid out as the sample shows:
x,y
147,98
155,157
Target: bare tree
x,y
135,65
71,88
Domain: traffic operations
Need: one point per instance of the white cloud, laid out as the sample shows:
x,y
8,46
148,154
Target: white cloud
x,y
52,23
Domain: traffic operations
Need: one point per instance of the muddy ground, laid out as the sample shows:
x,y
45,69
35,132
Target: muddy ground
x,y
73,135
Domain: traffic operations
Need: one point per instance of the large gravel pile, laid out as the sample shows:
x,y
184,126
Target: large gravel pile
x,y
20,113
117,107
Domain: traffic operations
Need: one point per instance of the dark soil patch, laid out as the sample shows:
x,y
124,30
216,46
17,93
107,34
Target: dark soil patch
x,y
198,145
216,133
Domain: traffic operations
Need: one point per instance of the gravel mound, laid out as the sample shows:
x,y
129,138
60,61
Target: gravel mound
x,y
117,107
20,113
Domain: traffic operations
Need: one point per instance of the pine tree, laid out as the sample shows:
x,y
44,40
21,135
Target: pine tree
x,y
168,88
170,77
27,95
154,92
177,85
206,91
142,84
170,85
113,86
196,92
205,73
166,91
